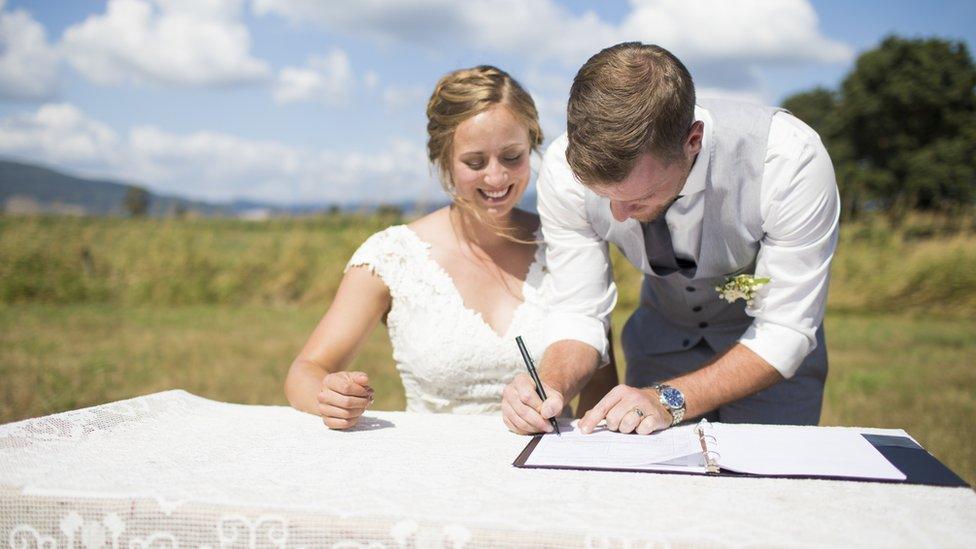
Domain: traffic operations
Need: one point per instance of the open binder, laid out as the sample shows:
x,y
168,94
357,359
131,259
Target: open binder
x,y
750,450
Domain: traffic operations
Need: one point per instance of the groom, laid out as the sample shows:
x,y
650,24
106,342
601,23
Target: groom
x,y
692,195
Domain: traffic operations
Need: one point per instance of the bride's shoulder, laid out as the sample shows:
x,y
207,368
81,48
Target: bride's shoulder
x,y
433,227
389,237
389,247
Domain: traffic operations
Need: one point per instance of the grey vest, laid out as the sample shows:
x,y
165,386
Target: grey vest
x,y
676,312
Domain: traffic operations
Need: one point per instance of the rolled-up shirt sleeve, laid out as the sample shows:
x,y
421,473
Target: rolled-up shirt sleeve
x,y
800,209
582,293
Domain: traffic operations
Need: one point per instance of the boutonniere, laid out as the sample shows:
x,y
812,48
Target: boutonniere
x,y
741,287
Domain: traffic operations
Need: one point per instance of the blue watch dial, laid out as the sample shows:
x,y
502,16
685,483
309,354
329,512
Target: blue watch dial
x,y
673,397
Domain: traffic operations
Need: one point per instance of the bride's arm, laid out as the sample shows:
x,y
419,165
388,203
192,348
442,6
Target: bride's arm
x,y
360,302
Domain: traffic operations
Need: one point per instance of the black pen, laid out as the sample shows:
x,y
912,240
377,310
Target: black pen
x,y
539,390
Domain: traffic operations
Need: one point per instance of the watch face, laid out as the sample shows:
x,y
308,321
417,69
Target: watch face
x,y
673,397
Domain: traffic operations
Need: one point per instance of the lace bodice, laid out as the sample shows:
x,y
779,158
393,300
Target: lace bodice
x,y
449,358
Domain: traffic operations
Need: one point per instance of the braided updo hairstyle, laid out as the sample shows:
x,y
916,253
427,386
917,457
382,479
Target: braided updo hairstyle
x,y
461,94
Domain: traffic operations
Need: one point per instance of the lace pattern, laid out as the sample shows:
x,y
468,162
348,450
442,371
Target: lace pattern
x,y
449,358
184,471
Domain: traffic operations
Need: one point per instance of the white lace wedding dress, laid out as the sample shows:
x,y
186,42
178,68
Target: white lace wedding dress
x,y
449,358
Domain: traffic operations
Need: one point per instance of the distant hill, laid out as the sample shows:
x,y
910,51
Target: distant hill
x,y
30,188
27,185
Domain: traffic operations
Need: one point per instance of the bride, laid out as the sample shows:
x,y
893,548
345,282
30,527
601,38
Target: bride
x,y
454,287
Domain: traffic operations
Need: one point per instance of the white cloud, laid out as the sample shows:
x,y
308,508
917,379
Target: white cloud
x,y
59,133
542,30
735,95
214,165
182,42
406,98
538,29
371,79
766,30
28,64
724,42
219,166
328,79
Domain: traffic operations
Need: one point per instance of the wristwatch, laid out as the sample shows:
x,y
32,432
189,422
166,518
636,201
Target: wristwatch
x,y
673,401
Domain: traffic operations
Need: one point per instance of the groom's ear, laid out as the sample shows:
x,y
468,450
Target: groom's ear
x,y
693,143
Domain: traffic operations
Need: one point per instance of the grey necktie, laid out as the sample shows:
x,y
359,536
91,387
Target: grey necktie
x,y
660,253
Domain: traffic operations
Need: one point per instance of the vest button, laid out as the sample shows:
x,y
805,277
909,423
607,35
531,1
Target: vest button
x,y
696,308
685,343
703,325
690,288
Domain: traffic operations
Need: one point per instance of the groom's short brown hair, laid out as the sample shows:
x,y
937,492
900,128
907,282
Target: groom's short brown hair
x,y
626,100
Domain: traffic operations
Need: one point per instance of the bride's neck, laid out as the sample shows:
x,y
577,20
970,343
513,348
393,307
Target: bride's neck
x,y
473,231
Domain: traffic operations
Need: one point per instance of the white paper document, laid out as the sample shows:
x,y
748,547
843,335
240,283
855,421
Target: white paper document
x,y
766,450
813,451
675,449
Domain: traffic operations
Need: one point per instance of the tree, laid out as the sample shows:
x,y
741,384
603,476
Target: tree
x,y
389,210
136,201
813,107
902,128
905,111
942,176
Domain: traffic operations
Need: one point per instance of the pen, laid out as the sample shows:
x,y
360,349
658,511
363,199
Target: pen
x,y
539,390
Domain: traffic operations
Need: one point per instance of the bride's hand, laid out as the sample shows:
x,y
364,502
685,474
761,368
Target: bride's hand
x,y
524,412
343,398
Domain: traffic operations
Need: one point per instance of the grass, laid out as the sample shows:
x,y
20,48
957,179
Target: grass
x,y
912,373
220,307
58,358
177,262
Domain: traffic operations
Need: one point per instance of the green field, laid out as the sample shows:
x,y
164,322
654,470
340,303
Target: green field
x,y
94,310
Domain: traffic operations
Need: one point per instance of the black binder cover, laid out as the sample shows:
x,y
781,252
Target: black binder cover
x,y
919,466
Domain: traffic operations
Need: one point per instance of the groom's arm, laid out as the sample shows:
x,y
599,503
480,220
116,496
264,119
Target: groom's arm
x,y
581,292
800,211
581,295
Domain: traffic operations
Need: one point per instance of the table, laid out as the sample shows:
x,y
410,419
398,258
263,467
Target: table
x,y
174,469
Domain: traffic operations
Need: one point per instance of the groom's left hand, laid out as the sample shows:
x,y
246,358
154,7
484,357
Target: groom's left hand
x,y
620,408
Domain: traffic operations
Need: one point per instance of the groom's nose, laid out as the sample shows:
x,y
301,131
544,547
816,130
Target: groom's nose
x,y
621,210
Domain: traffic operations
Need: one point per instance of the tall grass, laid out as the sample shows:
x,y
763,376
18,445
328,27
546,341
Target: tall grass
x,y
177,262
927,265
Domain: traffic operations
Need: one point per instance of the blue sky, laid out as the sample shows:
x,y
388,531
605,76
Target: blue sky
x,y
301,101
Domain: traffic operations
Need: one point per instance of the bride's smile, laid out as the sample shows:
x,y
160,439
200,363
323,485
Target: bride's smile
x,y
495,196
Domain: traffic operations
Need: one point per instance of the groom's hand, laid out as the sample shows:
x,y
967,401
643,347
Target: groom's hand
x,y
343,398
628,410
524,412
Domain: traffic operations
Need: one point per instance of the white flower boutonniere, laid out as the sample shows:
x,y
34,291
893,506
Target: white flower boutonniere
x,y
741,287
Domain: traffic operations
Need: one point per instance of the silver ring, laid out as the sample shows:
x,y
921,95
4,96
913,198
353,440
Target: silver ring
x,y
638,411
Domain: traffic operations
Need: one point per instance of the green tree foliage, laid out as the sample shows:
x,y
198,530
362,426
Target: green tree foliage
x,y
902,128
136,201
813,107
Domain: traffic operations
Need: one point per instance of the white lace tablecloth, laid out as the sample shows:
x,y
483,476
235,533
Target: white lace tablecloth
x,y
175,470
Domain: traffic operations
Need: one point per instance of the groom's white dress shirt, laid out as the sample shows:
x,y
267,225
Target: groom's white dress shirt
x,y
800,208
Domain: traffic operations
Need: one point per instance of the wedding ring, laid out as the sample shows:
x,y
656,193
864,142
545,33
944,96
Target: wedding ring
x,y
638,411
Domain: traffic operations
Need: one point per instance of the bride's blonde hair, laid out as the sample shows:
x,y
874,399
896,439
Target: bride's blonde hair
x,y
464,93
